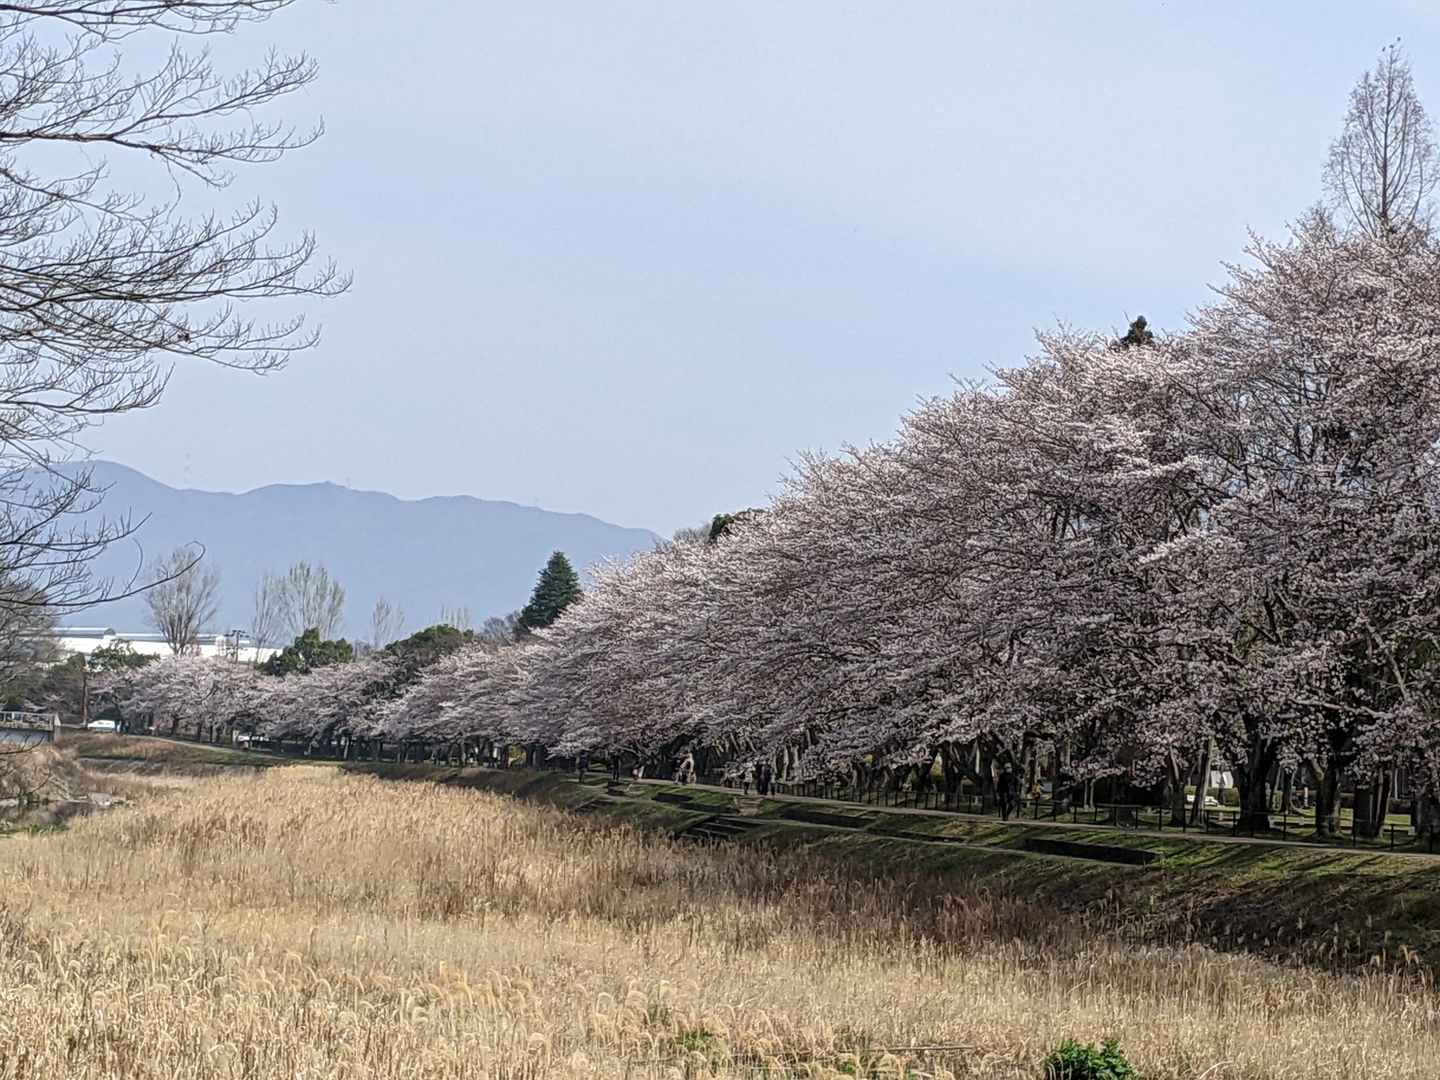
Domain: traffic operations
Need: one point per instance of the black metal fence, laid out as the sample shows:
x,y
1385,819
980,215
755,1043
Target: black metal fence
x,y
1210,821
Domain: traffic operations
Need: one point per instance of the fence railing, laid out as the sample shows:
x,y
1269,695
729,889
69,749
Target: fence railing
x,y
1210,821
28,721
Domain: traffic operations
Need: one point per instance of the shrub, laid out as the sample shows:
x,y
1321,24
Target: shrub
x,y
1073,1060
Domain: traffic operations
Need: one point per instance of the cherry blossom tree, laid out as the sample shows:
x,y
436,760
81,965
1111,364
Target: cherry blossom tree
x,y
1129,557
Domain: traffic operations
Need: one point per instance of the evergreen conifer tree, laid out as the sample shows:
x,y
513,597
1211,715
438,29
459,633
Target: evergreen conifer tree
x,y
557,589
1138,334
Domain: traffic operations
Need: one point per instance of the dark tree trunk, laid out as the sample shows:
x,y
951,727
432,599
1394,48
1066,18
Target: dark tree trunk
x,y
950,767
1254,780
1175,774
1372,803
924,776
1202,782
1327,801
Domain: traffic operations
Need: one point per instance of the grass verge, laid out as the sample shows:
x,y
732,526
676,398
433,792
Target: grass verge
x,y
1323,906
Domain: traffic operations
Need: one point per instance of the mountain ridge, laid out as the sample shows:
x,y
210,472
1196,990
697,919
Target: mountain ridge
x,y
455,551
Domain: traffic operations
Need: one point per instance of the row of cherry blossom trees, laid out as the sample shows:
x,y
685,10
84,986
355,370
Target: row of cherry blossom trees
x,y
1137,557
1120,557
1218,545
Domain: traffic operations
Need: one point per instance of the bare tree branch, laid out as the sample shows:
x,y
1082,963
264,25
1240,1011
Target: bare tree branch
x,y
102,291
1383,167
112,19
183,599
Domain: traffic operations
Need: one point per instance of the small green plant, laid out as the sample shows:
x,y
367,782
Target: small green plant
x,y
1074,1060
696,1041
702,1042
858,1062
7,829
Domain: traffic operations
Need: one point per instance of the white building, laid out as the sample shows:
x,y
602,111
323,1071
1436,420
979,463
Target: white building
x,y
86,639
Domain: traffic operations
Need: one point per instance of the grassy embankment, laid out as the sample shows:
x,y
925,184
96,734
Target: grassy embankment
x,y
1334,907
143,753
1331,907
308,922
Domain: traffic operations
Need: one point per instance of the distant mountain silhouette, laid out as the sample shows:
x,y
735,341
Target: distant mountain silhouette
x,y
452,551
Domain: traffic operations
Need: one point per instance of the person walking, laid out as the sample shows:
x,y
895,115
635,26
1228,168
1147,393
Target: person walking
x,y
615,767
748,776
583,766
687,769
1008,785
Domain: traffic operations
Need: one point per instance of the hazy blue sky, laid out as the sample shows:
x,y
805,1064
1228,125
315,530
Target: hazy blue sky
x,y
628,258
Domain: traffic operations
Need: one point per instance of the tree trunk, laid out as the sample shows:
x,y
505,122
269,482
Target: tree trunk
x,y
1175,774
951,768
990,760
1254,777
1202,782
1327,802
1372,803
924,776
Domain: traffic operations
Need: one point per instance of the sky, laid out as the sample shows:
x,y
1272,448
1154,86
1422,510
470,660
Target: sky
x,y
630,259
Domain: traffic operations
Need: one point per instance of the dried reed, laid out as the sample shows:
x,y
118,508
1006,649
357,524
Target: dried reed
x,y
306,923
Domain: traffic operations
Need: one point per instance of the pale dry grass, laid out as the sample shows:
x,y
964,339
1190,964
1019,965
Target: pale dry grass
x,y
46,773
303,923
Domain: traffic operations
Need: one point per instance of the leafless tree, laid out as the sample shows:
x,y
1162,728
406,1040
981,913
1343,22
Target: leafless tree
x,y
499,629
115,19
312,600
184,598
691,534
267,614
458,617
1383,167
101,290
26,630
386,622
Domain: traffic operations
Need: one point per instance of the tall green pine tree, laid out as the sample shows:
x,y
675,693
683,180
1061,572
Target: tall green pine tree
x,y
1138,334
557,589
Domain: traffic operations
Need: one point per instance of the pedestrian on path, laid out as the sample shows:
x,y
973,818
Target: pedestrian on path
x,y
748,776
1009,785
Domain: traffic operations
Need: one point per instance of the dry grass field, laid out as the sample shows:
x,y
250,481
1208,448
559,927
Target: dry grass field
x,y
303,922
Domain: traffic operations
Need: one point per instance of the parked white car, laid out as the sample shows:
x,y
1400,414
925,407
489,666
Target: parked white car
x,y
103,725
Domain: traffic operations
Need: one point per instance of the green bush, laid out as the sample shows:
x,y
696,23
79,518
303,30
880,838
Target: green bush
x,y
1073,1060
